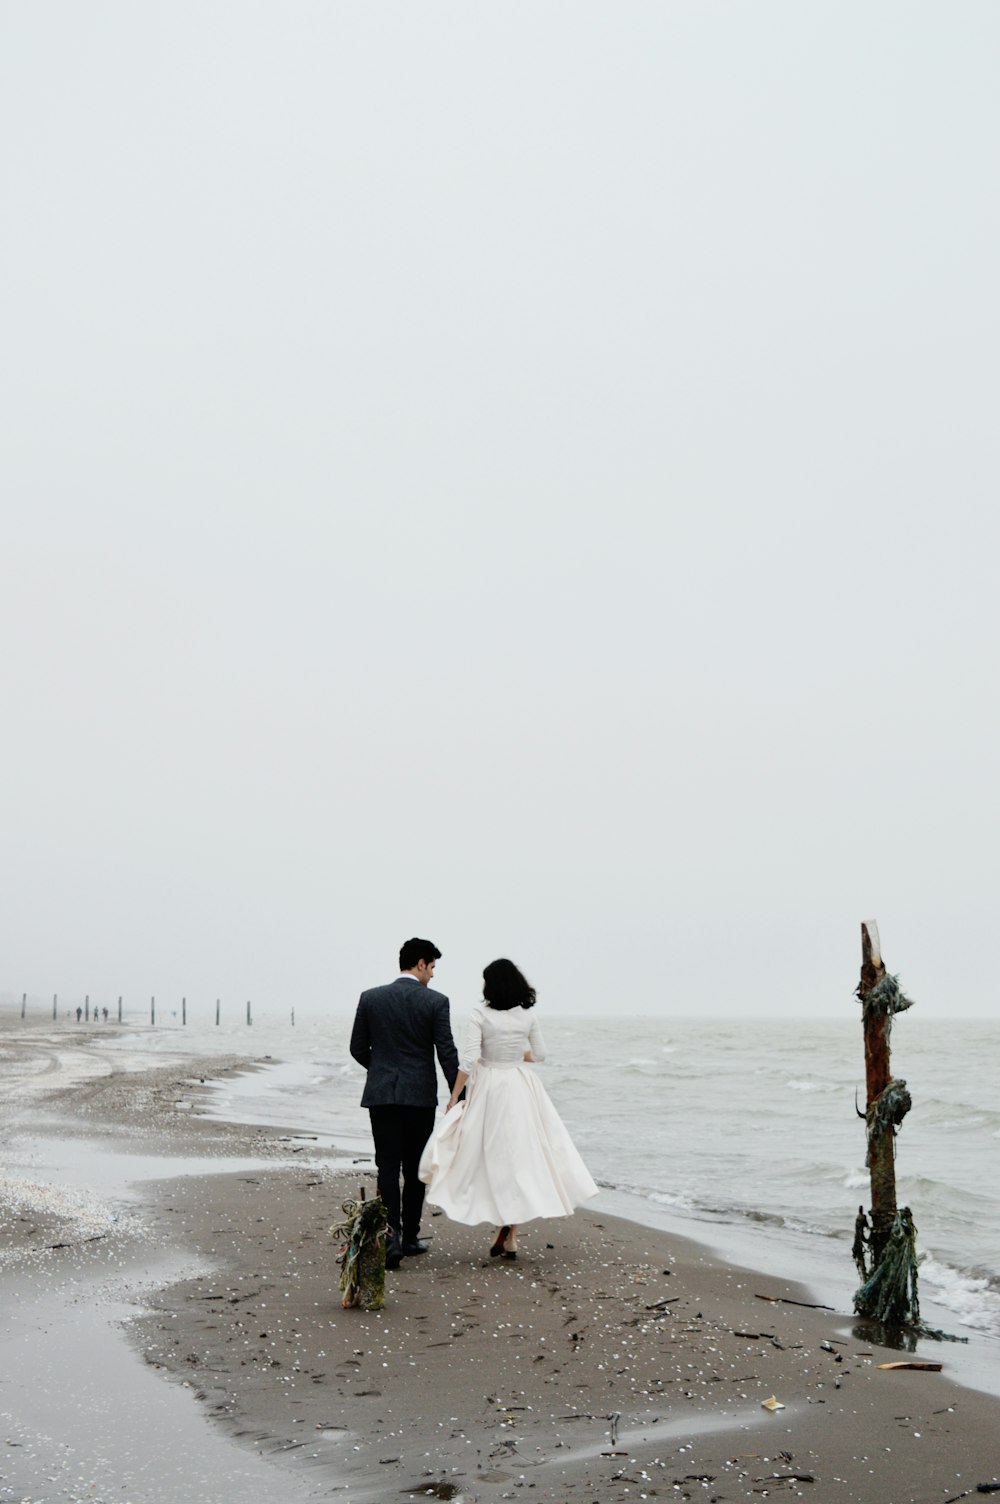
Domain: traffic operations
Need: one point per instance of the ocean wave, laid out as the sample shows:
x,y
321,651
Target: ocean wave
x,y
952,1125
959,1199
856,1180
770,1219
674,1199
951,1114
972,1295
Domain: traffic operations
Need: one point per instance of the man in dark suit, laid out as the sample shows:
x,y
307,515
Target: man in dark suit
x,y
397,1030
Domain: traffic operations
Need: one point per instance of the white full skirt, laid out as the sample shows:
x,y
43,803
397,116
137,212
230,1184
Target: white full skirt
x,y
504,1155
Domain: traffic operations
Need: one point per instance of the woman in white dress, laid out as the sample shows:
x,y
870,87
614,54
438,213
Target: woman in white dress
x,y
503,1156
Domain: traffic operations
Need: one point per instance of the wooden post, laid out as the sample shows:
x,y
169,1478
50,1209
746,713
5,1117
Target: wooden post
x,y
249,1019
119,1009
877,1076
86,1009
885,1110
216,1012
184,1010
55,1001
293,1018
24,1002
152,1010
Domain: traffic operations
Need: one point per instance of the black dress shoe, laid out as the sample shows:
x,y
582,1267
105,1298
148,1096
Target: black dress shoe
x,y
393,1253
499,1241
414,1246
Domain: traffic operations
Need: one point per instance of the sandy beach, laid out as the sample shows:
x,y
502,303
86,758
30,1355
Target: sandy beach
x,y
172,1329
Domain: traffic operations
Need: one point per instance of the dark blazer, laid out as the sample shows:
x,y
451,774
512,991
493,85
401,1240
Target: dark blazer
x,y
397,1030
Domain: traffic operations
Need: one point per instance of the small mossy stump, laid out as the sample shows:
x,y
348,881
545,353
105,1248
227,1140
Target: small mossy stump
x,y
361,1239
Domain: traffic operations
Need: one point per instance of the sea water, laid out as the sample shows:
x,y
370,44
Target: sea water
x,y
742,1132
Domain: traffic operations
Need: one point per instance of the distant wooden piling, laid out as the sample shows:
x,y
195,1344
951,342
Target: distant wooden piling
x,y
84,1011
293,1018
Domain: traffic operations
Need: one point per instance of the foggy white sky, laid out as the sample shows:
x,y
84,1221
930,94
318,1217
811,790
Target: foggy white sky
x,y
519,474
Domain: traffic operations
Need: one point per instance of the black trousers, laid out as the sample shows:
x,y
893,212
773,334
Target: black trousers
x,y
400,1134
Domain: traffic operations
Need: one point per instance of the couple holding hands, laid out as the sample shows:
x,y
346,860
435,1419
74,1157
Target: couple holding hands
x,y
502,1155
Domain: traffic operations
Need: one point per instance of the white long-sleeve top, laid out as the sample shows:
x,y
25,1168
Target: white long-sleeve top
x,y
500,1037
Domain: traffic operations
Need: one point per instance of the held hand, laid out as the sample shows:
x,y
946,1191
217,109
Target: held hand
x,y
457,1089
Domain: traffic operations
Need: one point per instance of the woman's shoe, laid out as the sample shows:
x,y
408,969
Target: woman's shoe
x,y
498,1242
510,1245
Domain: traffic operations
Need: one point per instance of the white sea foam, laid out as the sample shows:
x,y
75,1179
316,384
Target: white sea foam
x,y
974,1298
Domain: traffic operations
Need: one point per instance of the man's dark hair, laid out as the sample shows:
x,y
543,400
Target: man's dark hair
x,y
505,987
413,951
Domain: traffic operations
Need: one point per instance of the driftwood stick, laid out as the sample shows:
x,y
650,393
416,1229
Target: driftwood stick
x,y
786,1300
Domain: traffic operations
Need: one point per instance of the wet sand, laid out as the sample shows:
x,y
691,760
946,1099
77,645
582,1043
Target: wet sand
x,y
609,1362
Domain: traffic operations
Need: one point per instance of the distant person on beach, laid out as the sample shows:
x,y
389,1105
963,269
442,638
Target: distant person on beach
x,y
503,1156
79,1014
397,1030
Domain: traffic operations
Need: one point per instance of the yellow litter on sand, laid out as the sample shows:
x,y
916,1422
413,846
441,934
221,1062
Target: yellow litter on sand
x,y
771,1404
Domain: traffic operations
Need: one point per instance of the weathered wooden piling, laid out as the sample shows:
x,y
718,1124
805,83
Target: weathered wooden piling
x,y
885,1248
888,1100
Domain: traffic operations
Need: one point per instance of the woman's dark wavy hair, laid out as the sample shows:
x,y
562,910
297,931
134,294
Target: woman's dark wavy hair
x,y
504,987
